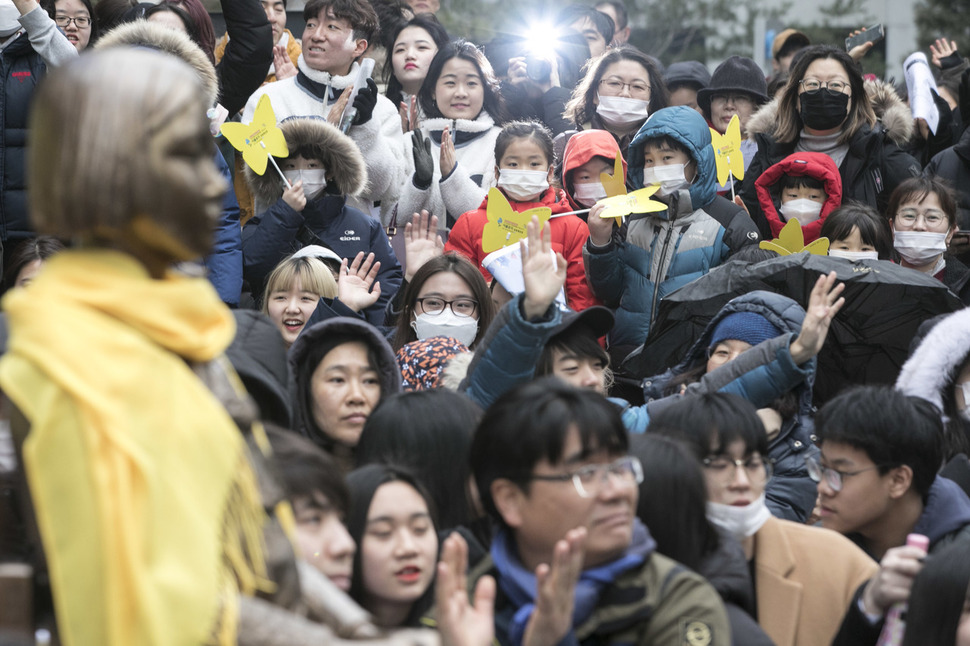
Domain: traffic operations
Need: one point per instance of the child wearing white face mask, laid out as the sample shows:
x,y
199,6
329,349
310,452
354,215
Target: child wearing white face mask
x,y
804,186
524,170
856,232
323,167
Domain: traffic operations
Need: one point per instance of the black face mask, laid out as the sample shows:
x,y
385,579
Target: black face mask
x,y
822,109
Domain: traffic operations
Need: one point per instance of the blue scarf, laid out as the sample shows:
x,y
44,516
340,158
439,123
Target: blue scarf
x,y
519,584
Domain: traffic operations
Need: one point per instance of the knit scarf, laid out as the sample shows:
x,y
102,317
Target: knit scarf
x,y
519,584
148,508
826,144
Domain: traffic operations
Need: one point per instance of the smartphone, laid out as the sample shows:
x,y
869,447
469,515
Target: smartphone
x,y
871,34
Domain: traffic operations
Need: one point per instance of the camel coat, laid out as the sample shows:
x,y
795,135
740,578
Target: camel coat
x,y
805,579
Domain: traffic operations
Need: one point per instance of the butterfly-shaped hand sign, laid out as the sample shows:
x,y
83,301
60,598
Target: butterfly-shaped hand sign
x,y
636,202
506,226
259,138
614,184
791,240
727,151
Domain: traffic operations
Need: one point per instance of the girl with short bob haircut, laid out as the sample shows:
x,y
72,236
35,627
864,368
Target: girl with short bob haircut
x,y
855,228
292,292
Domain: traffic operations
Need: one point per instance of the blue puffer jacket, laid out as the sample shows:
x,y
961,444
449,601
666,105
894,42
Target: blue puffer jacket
x,y
272,235
224,264
658,253
21,69
791,493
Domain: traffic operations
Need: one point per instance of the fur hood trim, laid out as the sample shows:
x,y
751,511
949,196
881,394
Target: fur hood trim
x,y
890,110
338,153
937,359
894,115
142,33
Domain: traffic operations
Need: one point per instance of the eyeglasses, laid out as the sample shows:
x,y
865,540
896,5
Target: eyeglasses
x,y
589,480
931,217
734,98
833,477
723,468
81,22
460,306
638,89
814,85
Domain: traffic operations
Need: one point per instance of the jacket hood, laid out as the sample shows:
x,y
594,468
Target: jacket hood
x,y
686,126
336,151
947,510
937,359
581,148
815,165
892,113
142,33
259,356
318,334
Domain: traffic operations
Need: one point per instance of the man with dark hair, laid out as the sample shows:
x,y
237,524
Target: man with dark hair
x,y
571,560
336,35
878,483
784,47
621,20
595,26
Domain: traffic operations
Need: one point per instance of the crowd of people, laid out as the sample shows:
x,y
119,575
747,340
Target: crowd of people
x,y
418,382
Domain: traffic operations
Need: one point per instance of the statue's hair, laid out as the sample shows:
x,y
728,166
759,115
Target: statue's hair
x,y
91,165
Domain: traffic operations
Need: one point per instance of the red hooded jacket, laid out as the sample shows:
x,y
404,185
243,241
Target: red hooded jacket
x,y
569,234
816,165
581,148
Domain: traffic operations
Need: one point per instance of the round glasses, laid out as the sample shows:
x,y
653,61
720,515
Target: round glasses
x,y
932,217
460,306
724,469
81,22
589,480
833,477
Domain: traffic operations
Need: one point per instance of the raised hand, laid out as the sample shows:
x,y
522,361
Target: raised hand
x,y
409,114
421,242
556,591
447,158
941,49
283,66
423,161
823,304
337,109
543,273
600,229
459,622
294,197
857,52
894,580
355,282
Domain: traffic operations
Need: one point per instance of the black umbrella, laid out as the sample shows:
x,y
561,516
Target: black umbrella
x,y
867,342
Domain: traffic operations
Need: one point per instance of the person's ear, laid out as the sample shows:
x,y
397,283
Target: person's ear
x,y
951,233
360,46
497,171
552,174
508,499
900,481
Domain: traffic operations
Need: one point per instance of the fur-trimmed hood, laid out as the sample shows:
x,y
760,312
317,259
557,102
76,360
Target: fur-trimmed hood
x,y
934,364
890,110
336,151
142,33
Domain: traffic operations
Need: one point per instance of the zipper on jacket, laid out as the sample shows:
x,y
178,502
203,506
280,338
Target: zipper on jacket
x,y
656,282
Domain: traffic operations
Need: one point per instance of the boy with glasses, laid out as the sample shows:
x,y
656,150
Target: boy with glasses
x,y
877,483
570,559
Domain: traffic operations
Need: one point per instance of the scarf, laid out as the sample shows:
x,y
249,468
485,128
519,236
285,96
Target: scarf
x,y
148,508
825,144
322,84
519,584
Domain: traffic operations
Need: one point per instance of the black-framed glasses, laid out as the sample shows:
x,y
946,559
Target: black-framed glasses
x,y
638,89
814,85
833,477
589,480
81,22
434,305
756,468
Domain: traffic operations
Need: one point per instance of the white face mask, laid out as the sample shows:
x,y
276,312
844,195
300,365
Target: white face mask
x,y
854,255
463,329
621,112
523,185
740,522
671,178
589,194
314,180
919,248
804,209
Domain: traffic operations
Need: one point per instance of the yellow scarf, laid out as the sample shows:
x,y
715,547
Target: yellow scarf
x,y
146,503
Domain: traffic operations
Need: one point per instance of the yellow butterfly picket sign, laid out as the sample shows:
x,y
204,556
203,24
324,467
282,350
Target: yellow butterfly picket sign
x,y
259,140
791,240
727,153
506,226
636,202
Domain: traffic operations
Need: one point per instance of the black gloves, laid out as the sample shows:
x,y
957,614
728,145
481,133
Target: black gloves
x,y
423,161
365,102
